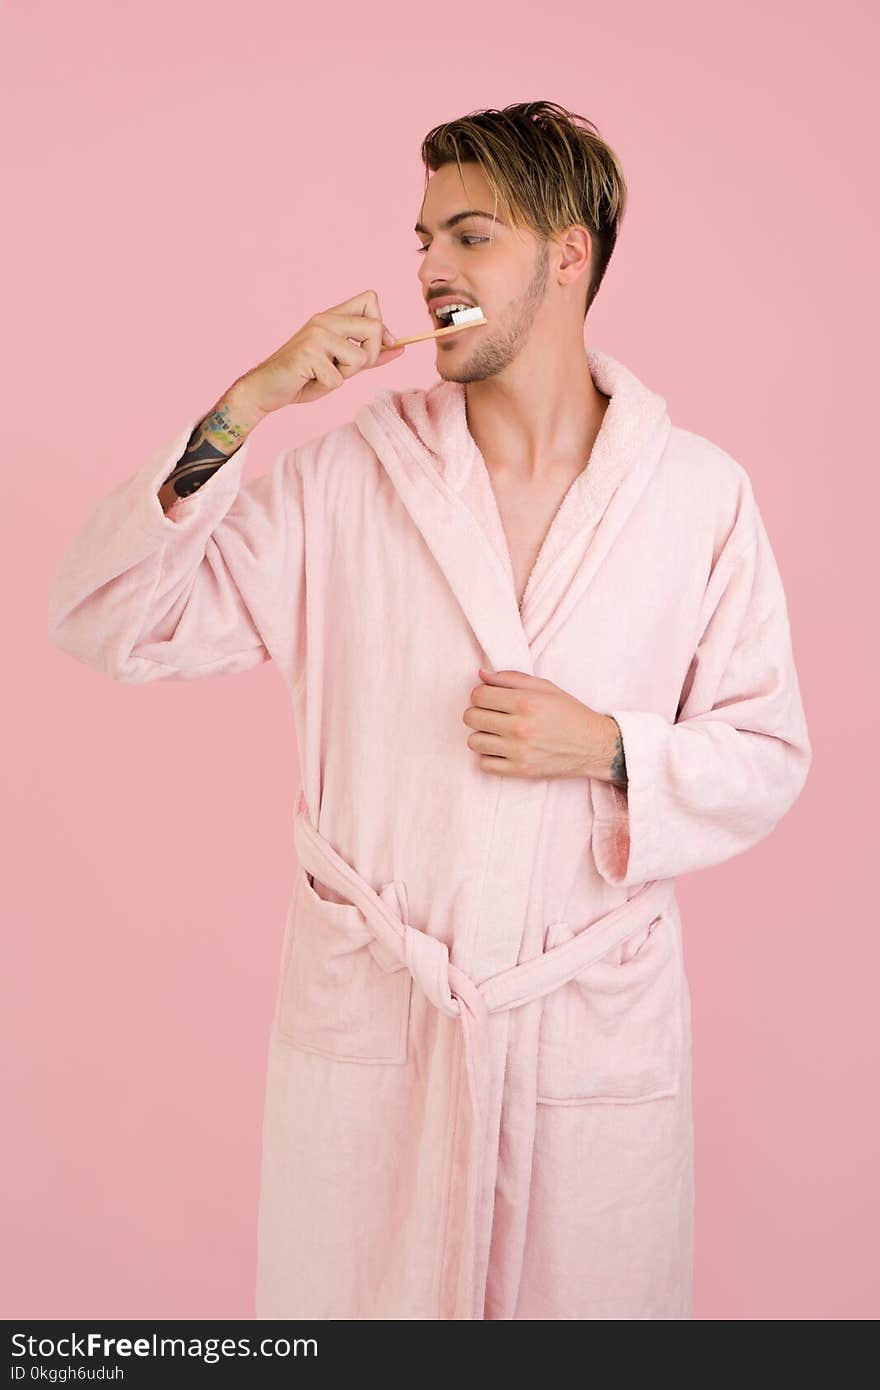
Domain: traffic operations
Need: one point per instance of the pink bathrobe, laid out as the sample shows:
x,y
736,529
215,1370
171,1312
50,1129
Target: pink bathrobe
x,y
478,1100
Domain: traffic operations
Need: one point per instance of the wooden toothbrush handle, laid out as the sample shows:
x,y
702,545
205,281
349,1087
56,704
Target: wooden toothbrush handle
x,y
438,332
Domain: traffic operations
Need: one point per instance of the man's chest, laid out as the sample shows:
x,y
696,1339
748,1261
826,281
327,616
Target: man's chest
x,y
526,512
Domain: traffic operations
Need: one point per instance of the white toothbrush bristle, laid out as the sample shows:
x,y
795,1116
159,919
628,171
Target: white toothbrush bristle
x,y
468,315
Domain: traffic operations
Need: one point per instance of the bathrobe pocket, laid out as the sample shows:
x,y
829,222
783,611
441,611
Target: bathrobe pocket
x,y
341,994
613,1033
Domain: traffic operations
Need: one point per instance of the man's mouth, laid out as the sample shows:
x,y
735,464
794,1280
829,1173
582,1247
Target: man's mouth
x,y
445,312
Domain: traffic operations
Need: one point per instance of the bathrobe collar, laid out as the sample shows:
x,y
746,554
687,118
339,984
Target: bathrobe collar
x,y
422,439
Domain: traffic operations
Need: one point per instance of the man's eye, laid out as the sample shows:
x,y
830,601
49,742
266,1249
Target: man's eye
x,y
420,250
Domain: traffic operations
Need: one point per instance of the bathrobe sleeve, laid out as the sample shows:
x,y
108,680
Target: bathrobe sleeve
x,y
715,781
213,587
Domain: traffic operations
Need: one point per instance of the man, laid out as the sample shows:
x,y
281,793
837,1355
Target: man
x,y
540,662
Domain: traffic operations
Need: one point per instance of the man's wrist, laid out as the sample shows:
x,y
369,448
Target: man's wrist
x,y
617,773
603,752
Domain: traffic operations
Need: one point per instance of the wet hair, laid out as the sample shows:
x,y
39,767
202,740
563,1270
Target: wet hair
x,y
547,170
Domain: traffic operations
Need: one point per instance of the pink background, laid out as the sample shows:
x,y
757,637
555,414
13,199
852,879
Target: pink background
x,y
185,185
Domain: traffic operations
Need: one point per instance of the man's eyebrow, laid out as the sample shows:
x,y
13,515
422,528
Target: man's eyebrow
x,y
460,217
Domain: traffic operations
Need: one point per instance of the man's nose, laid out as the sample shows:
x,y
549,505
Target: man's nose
x,y
437,269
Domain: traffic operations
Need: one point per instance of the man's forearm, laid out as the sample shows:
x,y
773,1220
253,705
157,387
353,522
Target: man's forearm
x,y
214,440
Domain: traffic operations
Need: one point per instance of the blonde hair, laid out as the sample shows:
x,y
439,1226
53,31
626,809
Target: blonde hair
x,y
550,172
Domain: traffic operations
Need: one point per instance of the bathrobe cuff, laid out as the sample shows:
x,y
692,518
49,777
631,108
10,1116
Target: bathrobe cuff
x,y
625,835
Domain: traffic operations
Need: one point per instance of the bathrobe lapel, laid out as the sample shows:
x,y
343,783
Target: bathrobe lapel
x,y
472,568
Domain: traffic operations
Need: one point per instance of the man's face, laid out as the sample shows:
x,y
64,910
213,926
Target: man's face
x,y
483,261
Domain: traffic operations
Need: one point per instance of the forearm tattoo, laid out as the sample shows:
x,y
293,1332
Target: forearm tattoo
x,y
618,764
205,452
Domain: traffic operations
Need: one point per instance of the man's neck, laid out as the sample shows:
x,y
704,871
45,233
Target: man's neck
x,y
531,435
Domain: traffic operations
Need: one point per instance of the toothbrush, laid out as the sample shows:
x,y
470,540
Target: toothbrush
x,y
461,318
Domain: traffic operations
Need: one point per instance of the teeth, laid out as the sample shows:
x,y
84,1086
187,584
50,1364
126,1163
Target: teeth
x,y
449,309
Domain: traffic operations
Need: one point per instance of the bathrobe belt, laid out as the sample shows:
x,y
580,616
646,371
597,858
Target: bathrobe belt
x,y
453,992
